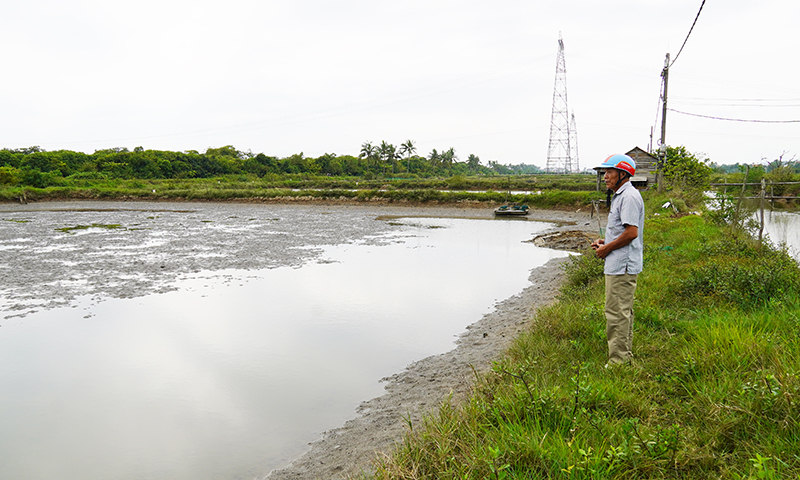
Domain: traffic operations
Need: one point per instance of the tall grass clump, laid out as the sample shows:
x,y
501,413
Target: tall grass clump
x,y
713,391
740,271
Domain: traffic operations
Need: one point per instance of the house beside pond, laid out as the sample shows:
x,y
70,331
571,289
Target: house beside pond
x,y
646,169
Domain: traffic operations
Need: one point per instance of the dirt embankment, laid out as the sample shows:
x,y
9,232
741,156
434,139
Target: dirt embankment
x,y
421,387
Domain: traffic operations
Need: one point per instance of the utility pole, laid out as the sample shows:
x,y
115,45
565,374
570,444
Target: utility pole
x,y
662,148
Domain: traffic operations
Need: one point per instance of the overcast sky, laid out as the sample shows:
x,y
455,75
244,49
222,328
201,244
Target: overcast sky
x,y
314,76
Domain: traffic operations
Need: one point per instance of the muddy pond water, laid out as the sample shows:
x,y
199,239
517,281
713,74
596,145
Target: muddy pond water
x,y
210,341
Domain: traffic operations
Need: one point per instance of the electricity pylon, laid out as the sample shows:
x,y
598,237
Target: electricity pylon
x,y
573,143
562,155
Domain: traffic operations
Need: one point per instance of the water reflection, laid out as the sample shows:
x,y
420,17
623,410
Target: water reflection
x,y
783,228
235,371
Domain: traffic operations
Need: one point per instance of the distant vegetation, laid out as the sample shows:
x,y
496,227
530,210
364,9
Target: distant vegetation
x,y
380,172
780,164
38,168
777,173
684,171
553,191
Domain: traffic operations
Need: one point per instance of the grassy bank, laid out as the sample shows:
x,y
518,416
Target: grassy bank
x,y
713,392
543,194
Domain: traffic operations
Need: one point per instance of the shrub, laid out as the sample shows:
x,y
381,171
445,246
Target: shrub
x,y
742,273
9,176
38,179
581,271
457,182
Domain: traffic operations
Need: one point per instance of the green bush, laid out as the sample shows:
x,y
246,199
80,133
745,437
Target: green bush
x,y
89,176
457,182
581,271
742,275
38,179
9,176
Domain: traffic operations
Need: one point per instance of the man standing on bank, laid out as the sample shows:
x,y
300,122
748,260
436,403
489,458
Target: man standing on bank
x,y
622,250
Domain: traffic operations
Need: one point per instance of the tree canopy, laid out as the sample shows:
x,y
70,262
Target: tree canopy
x,y
684,169
36,167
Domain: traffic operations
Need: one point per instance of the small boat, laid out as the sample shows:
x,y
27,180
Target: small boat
x,y
512,210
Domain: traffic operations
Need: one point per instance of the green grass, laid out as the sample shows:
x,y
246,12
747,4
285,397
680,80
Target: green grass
x,y
556,191
713,392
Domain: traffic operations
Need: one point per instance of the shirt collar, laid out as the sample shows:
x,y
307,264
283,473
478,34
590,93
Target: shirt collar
x,y
624,187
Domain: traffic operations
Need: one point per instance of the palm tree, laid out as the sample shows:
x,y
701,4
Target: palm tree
x,y
434,157
449,157
392,156
473,162
388,153
369,152
408,148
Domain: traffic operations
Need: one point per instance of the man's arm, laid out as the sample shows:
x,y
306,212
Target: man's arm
x,y
602,249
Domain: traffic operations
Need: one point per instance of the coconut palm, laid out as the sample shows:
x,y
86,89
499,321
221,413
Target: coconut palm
x,y
434,157
408,149
473,162
449,157
368,152
388,153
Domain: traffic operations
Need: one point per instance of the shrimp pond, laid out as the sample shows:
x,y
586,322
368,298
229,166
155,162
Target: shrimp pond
x,y
208,341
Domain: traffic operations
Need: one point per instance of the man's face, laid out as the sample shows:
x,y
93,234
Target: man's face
x,y
611,177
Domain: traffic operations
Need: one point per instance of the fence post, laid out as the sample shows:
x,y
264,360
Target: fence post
x,y
771,197
741,196
761,208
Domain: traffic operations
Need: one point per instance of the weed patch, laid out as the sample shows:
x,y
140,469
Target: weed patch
x,y
113,226
740,273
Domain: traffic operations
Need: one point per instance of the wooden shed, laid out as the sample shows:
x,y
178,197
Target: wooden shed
x,y
646,169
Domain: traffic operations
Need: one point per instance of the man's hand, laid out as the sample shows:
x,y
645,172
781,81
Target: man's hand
x,y
601,249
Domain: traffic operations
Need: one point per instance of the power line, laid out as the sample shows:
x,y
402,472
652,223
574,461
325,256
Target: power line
x,y
741,102
687,35
732,119
745,105
710,99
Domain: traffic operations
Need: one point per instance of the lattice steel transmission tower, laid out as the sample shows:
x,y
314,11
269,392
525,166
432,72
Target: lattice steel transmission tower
x,y
573,143
562,152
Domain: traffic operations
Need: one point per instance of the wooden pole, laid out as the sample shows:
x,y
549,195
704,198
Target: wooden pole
x,y
741,196
772,198
761,208
724,194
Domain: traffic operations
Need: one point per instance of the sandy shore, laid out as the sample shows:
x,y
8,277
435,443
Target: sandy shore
x,y
381,422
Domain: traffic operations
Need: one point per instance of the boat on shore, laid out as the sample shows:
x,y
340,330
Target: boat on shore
x,y
511,210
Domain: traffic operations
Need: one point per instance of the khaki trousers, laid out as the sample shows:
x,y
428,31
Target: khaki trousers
x,y
619,317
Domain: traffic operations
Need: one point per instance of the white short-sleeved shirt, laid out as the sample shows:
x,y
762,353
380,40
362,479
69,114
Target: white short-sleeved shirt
x,y
627,208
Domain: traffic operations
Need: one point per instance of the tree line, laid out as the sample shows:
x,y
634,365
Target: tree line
x,y
37,167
